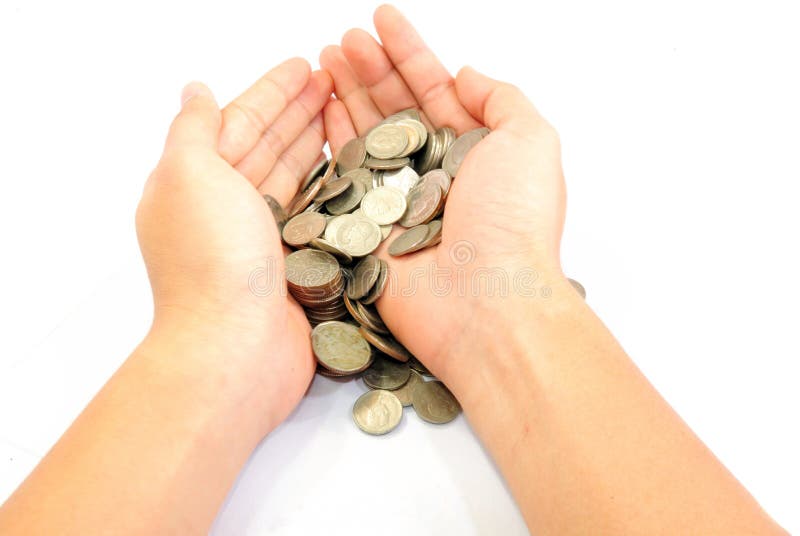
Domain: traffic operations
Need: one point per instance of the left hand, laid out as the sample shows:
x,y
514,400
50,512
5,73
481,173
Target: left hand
x,y
204,229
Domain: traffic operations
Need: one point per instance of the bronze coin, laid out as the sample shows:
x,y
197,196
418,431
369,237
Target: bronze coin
x,y
387,345
303,228
423,202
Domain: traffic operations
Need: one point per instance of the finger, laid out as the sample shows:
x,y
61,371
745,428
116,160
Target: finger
x,y
198,122
294,163
339,127
349,89
497,105
247,117
373,68
429,81
283,131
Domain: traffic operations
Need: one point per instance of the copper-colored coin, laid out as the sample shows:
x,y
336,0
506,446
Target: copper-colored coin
x,y
304,198
438,176
434,402
315,171
303,228
423,202
380,284
351,156
277,211
332,189
311,268
372,320
387,345
409,241
365,274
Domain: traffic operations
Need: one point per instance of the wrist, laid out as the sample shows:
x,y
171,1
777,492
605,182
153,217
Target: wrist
x,y
198,358
505,343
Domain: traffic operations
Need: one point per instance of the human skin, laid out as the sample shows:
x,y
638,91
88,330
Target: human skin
x,y
585,443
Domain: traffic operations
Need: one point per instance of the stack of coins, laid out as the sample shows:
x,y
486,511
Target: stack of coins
x,y
399,173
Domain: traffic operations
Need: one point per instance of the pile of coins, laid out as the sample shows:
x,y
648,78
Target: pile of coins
x,y
399,173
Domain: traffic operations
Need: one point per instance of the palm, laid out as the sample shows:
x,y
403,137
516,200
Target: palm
x,y
210,240
496,203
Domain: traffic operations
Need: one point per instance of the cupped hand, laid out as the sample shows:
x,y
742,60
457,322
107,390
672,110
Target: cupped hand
x,y
505,211
210,243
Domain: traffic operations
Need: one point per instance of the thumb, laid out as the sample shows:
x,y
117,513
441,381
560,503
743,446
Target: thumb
x,y
199,121
498,105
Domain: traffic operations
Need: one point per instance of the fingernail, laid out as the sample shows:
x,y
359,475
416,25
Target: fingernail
x,y
192,90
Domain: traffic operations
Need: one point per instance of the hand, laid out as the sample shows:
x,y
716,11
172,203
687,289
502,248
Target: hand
x,y
505,210
204,228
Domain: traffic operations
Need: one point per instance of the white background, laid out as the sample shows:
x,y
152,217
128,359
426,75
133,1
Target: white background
x,y
679,122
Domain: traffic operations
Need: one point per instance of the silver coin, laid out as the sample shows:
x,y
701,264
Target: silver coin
x,y
384,205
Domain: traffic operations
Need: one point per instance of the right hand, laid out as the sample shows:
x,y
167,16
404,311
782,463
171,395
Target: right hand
x,y
505,210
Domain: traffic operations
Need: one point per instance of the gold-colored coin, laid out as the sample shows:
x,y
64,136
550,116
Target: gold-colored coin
x,y
377,412
339,347
405,393
434,402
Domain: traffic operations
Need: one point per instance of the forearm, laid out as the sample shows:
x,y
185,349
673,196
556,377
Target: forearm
x,y
586,443
155,452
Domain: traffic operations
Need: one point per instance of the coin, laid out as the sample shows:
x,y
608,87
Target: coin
x,y
377,289
386,230
577,286
438,176
416,365
324,245
347,200
339,347
434,402
392,163
408,242
371,319
386,141
384,205
358,236
304,198
303,228
403,179
315,172
277,211
377,412
434,234
423,202
385,373
351,156
332,189
387,345
311,268
463,144
405,393
364,176
364,276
